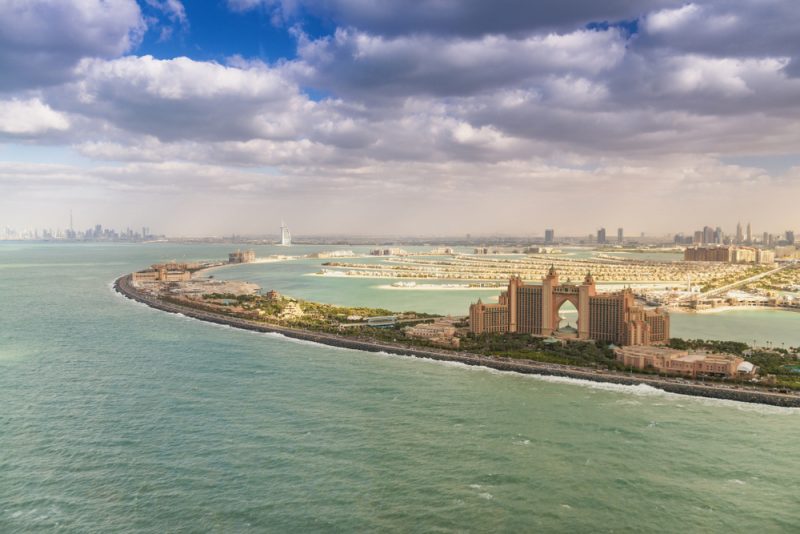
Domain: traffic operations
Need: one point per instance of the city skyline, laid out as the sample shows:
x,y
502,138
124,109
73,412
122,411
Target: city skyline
x,y
712,236
350,114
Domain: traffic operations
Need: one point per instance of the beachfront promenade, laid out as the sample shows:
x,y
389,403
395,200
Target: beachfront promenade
x,y
673,385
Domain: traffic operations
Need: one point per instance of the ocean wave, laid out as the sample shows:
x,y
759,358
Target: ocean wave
x,y
638,390
284,337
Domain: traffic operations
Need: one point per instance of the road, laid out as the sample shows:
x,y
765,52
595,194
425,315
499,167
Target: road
x,y
736,284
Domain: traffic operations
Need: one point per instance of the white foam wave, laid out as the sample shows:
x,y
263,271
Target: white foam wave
x,y
278,335
638,390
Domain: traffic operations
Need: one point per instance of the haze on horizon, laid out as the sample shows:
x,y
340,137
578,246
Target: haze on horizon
x,y
355,116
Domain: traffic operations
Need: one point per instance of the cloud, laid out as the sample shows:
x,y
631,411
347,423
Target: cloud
x,y
173,9
464,18
41,41
185,99
367,66
29,117
670,20
739,29
463,102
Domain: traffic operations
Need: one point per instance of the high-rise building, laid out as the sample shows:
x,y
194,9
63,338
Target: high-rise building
x,y
620,236
728,254
749,240
601,236
790,237
286,236
534,309
549,236
739,235
708,235
718,235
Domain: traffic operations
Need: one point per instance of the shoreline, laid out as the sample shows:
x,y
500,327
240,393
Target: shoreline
x,y
204,270
436,287
636,285
122,285
722,309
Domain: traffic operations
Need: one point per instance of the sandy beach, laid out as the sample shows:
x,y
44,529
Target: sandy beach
x,y
204,271
436,287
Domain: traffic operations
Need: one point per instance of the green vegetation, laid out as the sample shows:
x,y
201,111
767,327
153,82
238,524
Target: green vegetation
x,y
280,310
527,347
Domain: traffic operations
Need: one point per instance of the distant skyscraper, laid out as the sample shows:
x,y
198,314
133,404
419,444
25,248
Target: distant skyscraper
x,y
549,235
739,235
718,235
601,236
790,237
749,235
708,234
620,236
286,236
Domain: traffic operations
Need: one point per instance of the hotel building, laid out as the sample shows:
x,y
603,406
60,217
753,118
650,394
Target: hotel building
x,y
534,309
682,362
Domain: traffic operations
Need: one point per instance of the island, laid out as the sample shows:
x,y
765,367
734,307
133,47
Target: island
x,y
772,376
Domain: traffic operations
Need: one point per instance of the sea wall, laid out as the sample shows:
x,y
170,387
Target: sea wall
x,y
123,286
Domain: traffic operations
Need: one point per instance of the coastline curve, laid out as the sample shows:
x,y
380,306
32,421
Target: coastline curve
x,y
122,285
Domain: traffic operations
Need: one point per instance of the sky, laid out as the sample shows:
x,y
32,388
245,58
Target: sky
x,y
431,117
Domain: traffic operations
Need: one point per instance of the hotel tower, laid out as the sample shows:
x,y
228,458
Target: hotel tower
x,y
613,317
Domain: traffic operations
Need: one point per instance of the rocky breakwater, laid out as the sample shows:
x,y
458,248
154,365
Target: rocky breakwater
x,y
123,285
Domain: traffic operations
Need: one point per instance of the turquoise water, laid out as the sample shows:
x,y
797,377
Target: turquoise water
x,y
118,418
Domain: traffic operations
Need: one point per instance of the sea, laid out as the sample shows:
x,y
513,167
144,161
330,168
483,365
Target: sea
x,y
118,418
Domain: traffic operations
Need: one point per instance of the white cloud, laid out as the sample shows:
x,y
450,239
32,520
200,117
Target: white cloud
x,y
42,40
465,105
29,117
464,18
174,9
672,19
353,62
